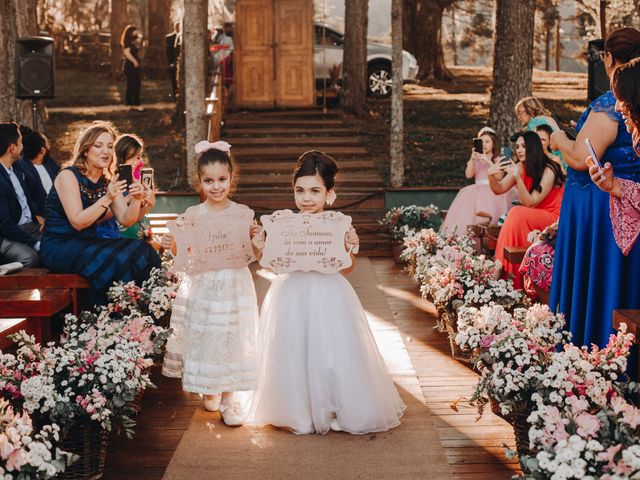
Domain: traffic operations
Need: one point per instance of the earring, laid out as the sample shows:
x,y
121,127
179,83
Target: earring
x,y
331,197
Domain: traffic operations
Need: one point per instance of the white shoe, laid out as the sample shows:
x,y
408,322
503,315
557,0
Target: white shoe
x,y
334,425
212,404
232,415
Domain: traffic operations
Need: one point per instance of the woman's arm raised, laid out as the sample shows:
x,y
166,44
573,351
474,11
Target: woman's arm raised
x,y
80,218
532,199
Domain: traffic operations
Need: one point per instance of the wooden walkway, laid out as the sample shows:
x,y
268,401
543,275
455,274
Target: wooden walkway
x,y
473,450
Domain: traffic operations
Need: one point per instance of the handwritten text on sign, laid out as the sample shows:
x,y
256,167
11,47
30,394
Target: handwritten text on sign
x,y
304,241
214,242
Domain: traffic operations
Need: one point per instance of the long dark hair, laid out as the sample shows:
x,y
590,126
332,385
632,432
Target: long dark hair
x,y
126,40
127,146
626,88
536,162
314,162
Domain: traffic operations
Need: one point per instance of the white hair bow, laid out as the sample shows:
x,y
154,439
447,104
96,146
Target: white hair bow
x,y
204,146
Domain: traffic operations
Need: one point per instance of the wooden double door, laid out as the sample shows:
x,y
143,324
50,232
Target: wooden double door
x,y
273,53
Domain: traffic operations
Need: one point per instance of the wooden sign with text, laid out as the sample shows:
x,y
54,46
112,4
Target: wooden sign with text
x,y
305,241
215,242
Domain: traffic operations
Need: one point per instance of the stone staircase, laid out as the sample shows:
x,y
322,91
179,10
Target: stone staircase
x,y
266,145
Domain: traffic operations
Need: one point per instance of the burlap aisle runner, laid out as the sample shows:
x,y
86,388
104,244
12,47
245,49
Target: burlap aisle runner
x,y
211,450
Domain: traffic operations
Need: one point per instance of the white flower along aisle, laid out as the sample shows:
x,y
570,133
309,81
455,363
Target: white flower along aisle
x,y
70,395
569,406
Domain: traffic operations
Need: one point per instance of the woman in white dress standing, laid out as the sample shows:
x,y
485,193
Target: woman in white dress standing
x,y
318,364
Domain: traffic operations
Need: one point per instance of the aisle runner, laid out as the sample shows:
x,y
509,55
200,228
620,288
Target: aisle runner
x,y
209,449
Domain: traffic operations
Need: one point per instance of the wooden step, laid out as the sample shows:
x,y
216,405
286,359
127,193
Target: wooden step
x,y
275,180
278,201
280,123
268,130
285,153
9,326
275,166
294,112
349,141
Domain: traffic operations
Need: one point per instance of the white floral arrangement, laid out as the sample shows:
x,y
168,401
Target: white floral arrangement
x,y
26,453
514,352
400,221
583,427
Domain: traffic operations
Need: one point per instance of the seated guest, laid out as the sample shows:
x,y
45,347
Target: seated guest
x,y
478,197
129,149
531,113
20,219
83,194
539,182
38,167
544,131
537,265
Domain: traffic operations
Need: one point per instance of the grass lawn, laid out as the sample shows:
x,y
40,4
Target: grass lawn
x,y
441,120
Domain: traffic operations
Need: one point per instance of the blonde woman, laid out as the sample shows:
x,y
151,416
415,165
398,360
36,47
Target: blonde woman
x,y
83,195
532,113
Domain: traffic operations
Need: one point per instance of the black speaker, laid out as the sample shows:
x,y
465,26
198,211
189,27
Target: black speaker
x,y
598,80
35,63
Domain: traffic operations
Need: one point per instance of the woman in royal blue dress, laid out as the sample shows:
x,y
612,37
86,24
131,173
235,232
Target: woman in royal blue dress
x,y
591,276
81,197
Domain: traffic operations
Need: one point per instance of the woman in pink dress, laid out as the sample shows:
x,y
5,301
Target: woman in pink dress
x,y
478,197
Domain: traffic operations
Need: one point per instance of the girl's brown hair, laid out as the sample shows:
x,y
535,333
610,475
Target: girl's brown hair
x,y
533,106
126,40
314,162
86,140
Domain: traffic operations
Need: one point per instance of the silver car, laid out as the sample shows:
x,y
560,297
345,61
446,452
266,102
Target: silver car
x,y
328,52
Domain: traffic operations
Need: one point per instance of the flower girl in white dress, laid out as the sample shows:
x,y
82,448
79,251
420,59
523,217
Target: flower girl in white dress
x,y
214,318
318,366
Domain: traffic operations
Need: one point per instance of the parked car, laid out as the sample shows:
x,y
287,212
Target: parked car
x,y
328,54
327,59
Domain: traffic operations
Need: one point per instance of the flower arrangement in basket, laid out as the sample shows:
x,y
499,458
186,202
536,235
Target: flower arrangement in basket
x,y
154,298
98,369
583,427
27,452
400,221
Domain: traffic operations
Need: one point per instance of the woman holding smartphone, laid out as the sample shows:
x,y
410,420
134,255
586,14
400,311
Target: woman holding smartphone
x,y
478,198
591,276
83,194
539,182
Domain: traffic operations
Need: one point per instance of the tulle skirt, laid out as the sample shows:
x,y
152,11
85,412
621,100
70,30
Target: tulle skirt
x,y
476,198
318,360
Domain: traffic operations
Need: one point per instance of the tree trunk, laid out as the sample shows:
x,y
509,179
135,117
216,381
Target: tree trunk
x,y
547,47
558,50
397,120
195,27
159,27
603,19
19,19
512,63
117,22
422,36
354,67
454,40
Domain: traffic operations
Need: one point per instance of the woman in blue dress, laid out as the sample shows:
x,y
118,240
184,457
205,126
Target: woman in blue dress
x,y
591,276
82,197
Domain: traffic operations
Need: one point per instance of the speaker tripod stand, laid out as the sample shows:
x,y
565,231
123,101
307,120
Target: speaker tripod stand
x,y
36,109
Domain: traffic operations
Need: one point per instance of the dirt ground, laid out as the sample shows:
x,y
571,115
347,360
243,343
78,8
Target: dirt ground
x,y
440,120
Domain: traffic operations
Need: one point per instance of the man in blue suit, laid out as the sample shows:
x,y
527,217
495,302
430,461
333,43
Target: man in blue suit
x,y
20,219
38,167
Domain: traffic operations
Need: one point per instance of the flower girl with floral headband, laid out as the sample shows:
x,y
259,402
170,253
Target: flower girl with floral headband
x,y
319,367
215,315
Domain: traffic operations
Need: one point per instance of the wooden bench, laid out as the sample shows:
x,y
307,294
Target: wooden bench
x,y
632,319
514,254
30,297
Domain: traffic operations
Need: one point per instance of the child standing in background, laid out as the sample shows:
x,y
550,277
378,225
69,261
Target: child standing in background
x,y
215,315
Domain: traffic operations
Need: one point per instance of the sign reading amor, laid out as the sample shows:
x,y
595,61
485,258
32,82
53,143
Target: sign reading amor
x,y
305,241
213,243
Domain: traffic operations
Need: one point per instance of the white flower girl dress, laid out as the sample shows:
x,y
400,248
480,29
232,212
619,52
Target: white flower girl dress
x,y
319,367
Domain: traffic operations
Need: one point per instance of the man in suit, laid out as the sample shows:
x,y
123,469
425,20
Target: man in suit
x,y
172,45
20,219
38,167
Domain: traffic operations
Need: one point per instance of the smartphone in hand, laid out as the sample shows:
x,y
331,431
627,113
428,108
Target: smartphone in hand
x,y
477,145
125,172
146,177
592,152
